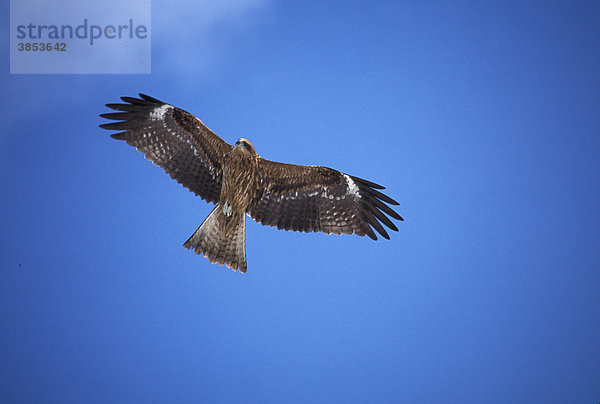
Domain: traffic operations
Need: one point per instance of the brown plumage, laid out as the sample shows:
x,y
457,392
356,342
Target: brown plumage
x,y
239,182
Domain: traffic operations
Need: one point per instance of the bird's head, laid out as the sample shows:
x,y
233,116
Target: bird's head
x,y
244,146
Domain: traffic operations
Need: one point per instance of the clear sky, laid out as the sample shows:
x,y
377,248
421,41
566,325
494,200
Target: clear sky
x,y
482,120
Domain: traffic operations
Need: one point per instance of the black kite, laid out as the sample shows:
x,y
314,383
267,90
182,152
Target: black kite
x,y
240,182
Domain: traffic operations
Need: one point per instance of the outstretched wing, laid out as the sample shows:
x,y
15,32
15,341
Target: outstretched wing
x,y
174,140
313,198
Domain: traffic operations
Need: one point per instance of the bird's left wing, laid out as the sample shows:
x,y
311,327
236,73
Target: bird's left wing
x,y
173,139
314,198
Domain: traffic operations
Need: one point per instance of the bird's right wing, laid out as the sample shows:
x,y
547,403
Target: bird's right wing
x,y
172,139
314,198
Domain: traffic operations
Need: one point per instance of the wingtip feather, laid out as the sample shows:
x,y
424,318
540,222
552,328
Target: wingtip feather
x,y
150,99
367,183
119,136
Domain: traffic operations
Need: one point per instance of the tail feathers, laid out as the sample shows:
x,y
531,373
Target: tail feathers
x,y
228,249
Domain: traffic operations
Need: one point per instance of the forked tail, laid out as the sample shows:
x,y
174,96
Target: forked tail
x,y
228,249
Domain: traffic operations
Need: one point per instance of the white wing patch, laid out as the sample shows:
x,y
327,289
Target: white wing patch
x,y
159,113
352,187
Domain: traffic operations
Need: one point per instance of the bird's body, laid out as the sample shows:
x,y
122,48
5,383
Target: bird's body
x,y
240,182
239,179
221,237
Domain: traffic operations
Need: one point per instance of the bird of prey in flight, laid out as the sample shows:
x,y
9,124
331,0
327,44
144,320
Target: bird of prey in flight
x,y
240,182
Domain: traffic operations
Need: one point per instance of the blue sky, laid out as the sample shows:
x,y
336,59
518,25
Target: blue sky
x,y
480,119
